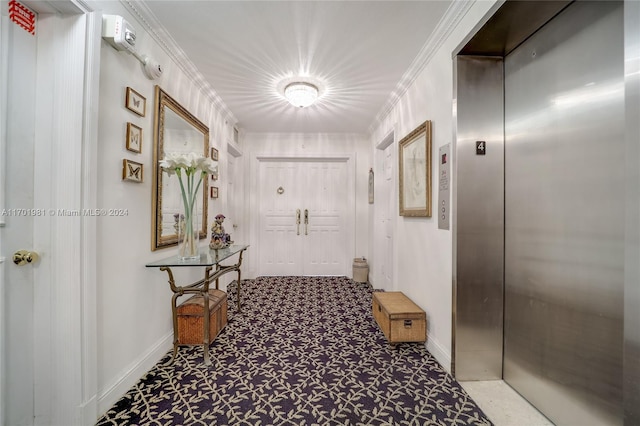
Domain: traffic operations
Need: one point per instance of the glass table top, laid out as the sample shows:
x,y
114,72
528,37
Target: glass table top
x,y
208,257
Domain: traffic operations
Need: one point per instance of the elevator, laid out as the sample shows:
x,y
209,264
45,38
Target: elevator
x,y
541,208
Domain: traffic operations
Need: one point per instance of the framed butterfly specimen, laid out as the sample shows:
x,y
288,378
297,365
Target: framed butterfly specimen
x,y
134,138
132,171
135,102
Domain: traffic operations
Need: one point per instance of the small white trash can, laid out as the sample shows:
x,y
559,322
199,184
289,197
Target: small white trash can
x,y
360,270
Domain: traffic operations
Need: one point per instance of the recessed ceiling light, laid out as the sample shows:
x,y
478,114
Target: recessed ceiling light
x,y
301,94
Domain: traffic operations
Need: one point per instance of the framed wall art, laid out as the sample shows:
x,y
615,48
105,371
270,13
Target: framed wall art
x,y
415,172
135,102
132,171
134,138
371,186
214,154
213,192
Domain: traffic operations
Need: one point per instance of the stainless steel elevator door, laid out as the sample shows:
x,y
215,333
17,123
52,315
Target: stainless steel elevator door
x,y
564,216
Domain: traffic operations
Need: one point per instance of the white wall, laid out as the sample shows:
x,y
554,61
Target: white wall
x,y
423,268
301,145
134,314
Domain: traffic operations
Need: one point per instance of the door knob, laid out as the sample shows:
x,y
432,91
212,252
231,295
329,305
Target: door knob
x,y
22,257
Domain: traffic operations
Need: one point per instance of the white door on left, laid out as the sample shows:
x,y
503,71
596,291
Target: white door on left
x,y
18,212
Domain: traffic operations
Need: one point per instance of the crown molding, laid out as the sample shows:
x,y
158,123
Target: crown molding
x,y
456,11
152,25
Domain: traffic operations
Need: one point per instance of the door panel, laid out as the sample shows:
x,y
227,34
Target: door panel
x,y
279,254
564,216
383,209
388,211
232,196
18,49
324,250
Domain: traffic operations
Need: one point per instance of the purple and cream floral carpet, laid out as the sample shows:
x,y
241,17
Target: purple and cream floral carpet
x,y
303,351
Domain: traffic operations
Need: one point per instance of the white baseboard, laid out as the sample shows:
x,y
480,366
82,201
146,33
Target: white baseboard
x,y
440,353
113,392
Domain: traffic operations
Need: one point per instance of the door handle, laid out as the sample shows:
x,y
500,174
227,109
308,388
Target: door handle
x,y
22,257
306,221
298,222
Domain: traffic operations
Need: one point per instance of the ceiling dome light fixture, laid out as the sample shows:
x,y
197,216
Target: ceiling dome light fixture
x,y
301,94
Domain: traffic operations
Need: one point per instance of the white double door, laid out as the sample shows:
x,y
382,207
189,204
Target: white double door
x,y
306,216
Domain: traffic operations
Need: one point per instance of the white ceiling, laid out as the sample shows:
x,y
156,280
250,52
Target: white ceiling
x,y
361,53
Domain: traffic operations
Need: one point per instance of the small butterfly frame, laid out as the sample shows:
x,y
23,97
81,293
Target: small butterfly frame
x,y
134,138
132,171
135,102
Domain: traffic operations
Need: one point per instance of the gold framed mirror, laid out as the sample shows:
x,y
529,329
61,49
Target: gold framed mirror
x,y
175,130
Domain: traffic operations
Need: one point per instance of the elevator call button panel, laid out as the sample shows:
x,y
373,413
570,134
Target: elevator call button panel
x,y
444,187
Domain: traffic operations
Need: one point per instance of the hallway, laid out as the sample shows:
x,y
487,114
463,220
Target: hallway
x,y
83,323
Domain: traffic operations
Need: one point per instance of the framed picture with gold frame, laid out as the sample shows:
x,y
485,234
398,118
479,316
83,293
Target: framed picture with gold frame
x,y
371,181
135,102
132,171
415,172
214,154
134,138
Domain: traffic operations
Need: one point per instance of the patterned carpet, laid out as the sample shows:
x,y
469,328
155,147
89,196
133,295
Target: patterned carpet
x,y
304,351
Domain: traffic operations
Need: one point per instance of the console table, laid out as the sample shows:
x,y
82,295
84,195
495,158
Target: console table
x,y
208,259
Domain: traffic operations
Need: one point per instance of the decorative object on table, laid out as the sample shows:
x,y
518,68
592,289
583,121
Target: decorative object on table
x,y
219,239
371,185
134,138
194,167
214,192
214,154
415,172
132,171
188,234
135,102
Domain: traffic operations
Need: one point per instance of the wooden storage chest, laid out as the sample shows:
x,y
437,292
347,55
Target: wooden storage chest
x,y
399,318
191,318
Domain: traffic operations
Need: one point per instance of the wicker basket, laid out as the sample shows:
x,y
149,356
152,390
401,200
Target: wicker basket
x,y
191,318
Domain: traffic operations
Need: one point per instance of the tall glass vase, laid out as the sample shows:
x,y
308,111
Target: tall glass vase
x,y
188,234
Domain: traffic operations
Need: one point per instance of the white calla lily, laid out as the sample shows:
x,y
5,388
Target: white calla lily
x,y
209,166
